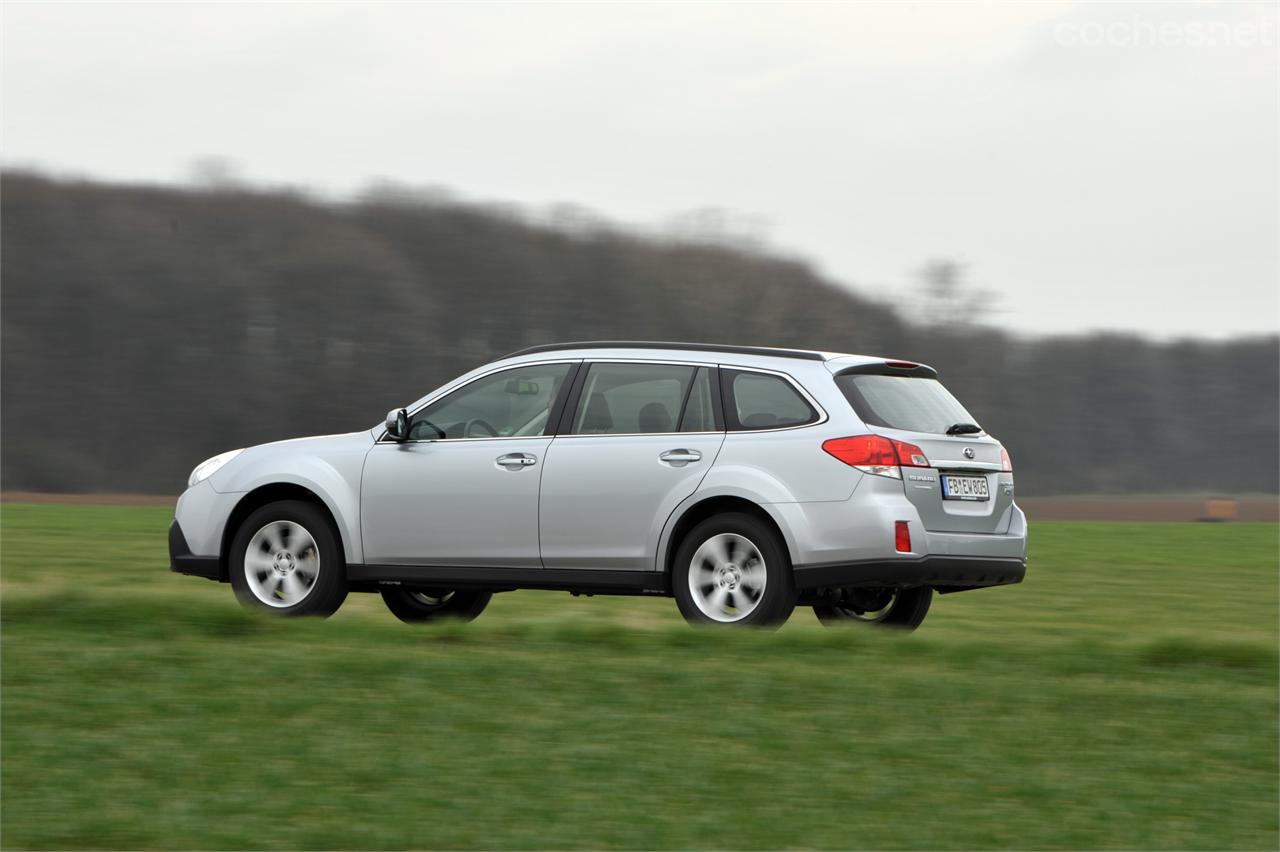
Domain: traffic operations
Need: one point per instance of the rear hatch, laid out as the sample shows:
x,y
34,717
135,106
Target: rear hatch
x,y
963,488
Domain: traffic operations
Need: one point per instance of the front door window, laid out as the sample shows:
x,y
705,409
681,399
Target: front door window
x,y
511,403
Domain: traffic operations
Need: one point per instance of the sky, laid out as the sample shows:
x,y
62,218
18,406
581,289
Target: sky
x,y
1098,166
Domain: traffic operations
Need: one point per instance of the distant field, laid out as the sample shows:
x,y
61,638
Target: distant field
x,y
1125,696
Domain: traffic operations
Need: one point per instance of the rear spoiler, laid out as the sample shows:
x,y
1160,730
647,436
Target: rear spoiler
x,y
890,368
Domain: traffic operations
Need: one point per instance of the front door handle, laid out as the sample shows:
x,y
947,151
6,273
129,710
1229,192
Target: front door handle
x,y
679,458
516,461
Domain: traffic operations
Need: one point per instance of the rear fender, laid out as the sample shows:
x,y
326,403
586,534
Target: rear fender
x,y
780,513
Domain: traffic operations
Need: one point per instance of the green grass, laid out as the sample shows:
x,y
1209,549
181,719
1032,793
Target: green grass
x,y
1125,696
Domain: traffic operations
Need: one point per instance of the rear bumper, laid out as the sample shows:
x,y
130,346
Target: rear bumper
x,y
945,573
181,561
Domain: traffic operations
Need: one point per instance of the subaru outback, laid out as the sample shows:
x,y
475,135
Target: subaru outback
x,y
741,481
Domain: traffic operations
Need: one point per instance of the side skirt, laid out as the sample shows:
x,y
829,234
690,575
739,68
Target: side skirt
x,y
581,581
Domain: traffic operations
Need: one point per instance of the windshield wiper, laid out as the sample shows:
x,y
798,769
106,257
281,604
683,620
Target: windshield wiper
x,y
963,429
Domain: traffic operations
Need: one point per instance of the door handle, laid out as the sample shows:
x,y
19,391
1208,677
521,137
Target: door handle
x,y
515,461
679,458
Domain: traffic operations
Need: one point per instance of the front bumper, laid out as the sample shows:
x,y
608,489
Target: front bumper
x,y
944,573
181,560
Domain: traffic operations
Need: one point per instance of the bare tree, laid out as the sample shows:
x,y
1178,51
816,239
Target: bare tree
x,y
948,300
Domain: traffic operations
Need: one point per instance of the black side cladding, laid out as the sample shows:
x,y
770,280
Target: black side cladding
x,y
945,573
181,561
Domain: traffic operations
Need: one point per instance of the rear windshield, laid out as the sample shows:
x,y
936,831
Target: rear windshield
x,y
903,402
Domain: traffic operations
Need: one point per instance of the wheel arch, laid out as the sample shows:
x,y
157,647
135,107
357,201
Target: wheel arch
x,y
705,506
271,493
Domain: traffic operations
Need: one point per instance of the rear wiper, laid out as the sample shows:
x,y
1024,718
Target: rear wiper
x,y
963,429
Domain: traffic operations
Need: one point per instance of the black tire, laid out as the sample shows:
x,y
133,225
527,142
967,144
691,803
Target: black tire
x,y
905,610
774,602
413,606
329,588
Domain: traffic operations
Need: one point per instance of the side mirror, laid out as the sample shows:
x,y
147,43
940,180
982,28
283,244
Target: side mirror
x,y
398,424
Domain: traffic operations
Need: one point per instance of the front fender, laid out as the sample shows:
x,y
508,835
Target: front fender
x,y
330,470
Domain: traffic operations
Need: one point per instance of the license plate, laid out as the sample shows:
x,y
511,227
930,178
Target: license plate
x,y
965,488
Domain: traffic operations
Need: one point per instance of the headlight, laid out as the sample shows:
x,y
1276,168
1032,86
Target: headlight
x,y
209,467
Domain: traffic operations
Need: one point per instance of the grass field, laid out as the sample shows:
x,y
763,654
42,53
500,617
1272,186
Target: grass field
x,y
1125,696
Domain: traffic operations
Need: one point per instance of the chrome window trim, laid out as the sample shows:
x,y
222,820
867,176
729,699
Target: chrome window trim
x,y
823,417
450,389
381,439
635,434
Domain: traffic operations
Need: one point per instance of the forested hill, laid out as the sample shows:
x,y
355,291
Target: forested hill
x,y
147,328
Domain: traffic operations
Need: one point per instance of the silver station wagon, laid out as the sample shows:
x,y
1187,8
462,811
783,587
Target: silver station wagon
x,y
742,481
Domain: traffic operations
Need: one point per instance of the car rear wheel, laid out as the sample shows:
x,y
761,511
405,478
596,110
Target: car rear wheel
x,y
900,608
285,559
416,605
733,569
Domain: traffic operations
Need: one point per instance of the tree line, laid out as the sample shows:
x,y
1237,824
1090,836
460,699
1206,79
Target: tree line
x,y
146,328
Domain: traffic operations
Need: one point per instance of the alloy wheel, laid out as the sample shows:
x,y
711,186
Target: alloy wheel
x,y
281,564
727,577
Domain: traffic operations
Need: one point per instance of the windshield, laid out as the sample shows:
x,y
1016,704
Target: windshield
x,y
902,402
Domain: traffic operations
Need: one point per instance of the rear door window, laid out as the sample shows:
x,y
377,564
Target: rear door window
x,y
631,399
763,401
903,402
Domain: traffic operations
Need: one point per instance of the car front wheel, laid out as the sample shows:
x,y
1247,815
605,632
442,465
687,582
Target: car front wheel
x,y
733,569
286,560
900,608
416,605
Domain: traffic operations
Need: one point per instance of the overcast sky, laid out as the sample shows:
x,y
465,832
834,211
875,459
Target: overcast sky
x,y
1099,166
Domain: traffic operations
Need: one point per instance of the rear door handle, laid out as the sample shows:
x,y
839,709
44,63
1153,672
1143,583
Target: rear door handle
x,y
679,458
515,461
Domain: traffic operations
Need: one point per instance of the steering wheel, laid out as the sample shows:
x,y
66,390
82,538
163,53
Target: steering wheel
x,y
477,423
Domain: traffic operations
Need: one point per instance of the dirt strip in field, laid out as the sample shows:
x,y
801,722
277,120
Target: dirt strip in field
x,y
88,499
1262,508
1253,508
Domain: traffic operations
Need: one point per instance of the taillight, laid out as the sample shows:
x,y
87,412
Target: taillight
x,y
1006,463
876,454
862,451
909,455
901,537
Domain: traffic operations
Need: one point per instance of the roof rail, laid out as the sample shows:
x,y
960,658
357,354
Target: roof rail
x,y
803,354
